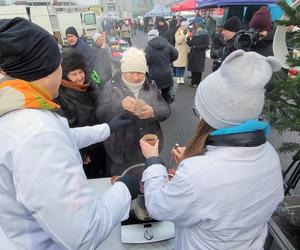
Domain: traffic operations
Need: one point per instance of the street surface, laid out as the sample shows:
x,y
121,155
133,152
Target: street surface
x,y
180,126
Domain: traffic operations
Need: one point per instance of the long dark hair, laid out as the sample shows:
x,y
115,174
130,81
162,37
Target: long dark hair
x,y
197,144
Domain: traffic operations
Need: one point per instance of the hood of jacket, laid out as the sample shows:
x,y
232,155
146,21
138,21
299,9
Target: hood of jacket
x,y
158,43
18,94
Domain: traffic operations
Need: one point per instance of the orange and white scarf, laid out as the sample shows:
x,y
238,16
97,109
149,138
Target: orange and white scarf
x,y
18,94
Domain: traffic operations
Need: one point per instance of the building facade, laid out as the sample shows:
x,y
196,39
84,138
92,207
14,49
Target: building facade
x,y
57,5
140,7
6,2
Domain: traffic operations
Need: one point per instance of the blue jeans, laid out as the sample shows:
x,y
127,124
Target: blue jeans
x,y
179,71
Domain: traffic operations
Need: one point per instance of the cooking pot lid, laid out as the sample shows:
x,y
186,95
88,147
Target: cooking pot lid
x,y
135,170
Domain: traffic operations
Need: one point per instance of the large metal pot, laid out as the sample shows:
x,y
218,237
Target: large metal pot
x,y
138,209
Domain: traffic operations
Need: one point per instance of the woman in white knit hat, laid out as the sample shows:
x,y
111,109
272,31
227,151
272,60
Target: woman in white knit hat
x,y
229,180
130,91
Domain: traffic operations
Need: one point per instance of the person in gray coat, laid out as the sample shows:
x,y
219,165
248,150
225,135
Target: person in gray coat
x,y
130,91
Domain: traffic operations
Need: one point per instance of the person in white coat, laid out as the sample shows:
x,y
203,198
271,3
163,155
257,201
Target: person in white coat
x,y
228,182
183,51
45,199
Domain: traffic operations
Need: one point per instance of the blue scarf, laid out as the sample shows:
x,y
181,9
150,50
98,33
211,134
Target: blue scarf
x,y
247,126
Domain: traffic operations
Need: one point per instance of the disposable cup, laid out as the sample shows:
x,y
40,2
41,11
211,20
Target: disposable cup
x,y
150,139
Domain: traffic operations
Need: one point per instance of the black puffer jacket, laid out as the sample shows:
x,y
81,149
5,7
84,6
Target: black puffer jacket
x,y
199,44
265,46
218,44
78,107
165,32
159,55
229,48
87,52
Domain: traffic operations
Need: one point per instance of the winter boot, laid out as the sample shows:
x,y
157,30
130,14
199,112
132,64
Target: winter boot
x,y
182,80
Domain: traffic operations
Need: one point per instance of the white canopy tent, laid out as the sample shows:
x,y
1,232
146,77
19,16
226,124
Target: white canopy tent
x,y
159,10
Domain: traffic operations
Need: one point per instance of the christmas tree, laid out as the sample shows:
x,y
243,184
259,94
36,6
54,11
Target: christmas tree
x,y
282,107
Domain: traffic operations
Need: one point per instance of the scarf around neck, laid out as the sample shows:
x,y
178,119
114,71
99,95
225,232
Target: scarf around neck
x,y
75,86
18,94
247,126
134,87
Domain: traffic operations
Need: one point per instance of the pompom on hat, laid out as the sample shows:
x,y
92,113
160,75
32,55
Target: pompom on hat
x,y
235,92
261,20
134,60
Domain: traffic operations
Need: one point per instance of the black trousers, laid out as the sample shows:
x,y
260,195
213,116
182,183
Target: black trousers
x,y
196,78
97,167
166,94
128,39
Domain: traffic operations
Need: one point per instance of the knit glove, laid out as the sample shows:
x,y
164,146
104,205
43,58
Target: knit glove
x,y
118,121
132,183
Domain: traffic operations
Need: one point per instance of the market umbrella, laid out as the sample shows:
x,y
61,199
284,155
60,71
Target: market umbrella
x,y
184,6
159,10
222,3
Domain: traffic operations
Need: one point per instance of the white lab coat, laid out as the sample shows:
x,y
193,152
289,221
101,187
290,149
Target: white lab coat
x,y
221,200
45,200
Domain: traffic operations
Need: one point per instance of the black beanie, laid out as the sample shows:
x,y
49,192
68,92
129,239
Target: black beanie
x,y
27,51
72,59
71,30
233,24
161,19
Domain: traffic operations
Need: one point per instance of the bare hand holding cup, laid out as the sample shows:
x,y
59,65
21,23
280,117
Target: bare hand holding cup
x,y
149,146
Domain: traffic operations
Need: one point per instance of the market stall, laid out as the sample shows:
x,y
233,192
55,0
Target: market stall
x,y
159,10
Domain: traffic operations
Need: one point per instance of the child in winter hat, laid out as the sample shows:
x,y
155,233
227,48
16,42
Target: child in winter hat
x,y
235,92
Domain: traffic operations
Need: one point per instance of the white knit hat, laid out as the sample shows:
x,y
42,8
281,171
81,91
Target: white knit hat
x,y
96,36
235,92
134,60
152,33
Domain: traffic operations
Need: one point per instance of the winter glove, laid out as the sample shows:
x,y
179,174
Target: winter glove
x,y
132,183
118,121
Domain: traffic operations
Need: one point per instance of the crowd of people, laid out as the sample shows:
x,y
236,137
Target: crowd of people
x,y
74,114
